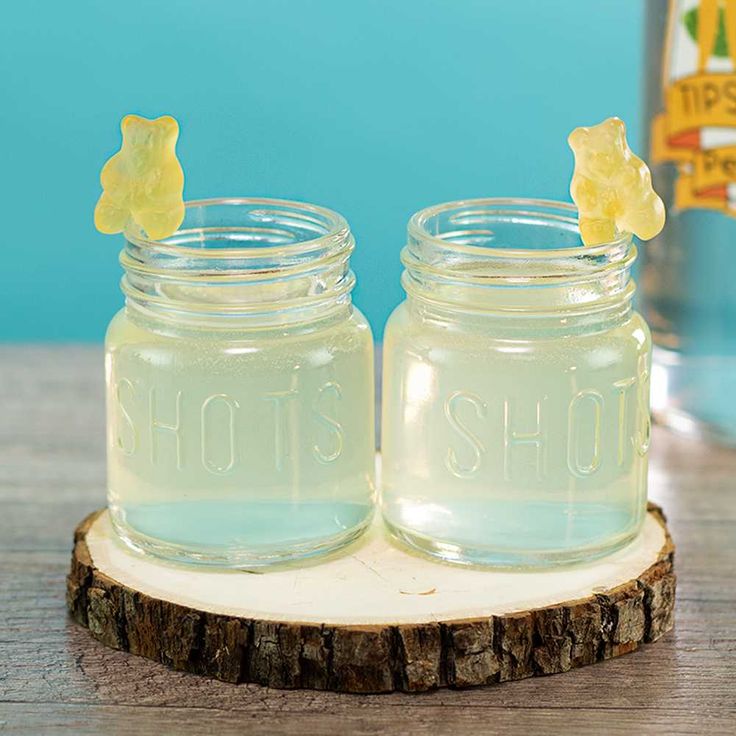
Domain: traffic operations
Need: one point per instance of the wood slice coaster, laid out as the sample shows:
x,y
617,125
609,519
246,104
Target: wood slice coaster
x,y
374,618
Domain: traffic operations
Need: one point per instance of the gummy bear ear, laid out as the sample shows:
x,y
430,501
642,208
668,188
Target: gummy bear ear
x,y
578,138
131,121
169,125
617,131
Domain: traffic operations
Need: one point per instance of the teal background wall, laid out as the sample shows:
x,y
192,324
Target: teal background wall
x,y
372,107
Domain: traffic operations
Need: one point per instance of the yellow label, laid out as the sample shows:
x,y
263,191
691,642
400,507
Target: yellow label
x,y
714,168
686,196
661,149
699,101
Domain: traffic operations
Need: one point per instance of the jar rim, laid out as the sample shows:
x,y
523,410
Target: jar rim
x,y
553,210
336,229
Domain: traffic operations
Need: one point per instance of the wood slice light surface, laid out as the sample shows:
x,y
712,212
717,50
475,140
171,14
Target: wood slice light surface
x,y
373,618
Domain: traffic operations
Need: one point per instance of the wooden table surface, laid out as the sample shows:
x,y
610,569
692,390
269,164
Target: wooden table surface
x,y
54,678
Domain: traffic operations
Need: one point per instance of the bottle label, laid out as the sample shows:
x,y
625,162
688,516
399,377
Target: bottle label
x,y
697,128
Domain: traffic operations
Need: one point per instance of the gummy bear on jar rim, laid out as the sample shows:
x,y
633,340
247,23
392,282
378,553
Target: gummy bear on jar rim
x,y
611,186
143,182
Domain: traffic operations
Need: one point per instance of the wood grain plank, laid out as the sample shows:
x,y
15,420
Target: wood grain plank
x,y
419,719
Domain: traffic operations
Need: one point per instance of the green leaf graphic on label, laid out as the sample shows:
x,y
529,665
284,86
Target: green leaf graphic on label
x,y
690,21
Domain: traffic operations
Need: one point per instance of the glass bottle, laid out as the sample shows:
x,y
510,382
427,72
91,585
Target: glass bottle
x,y
515,424
240,388
688,271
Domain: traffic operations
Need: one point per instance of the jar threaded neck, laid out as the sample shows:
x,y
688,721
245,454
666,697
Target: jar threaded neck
x,y
262,260
513,256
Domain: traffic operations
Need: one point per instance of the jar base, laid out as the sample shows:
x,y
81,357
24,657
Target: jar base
x,y
487,557
240,559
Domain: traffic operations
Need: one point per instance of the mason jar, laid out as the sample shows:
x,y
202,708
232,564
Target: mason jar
x,y
240,388
515,423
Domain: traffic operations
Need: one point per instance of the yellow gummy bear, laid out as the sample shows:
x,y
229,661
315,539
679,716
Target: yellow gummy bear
x,y
611,186
143,181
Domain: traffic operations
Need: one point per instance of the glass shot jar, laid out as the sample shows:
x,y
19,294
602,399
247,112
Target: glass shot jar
x,y
240,388
515,423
